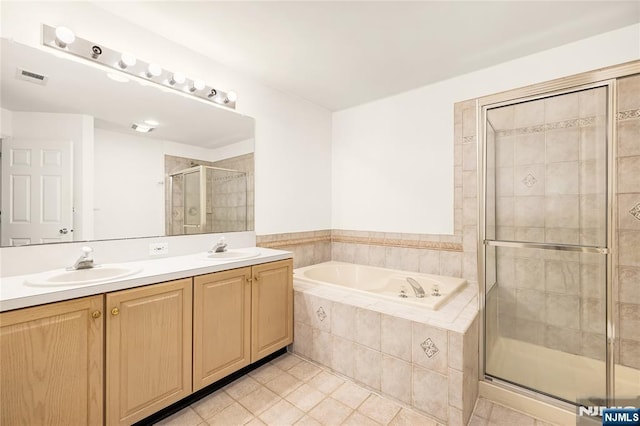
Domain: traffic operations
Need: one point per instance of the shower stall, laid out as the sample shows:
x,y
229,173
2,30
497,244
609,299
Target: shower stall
x,y
207,199
560,241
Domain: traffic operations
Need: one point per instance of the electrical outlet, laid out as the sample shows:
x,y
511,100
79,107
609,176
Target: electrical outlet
x,y
158,249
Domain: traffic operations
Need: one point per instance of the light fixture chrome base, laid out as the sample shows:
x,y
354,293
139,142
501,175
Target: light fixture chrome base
x,y
120,61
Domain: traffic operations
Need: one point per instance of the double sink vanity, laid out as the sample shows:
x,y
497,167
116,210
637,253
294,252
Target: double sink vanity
x,y
115,343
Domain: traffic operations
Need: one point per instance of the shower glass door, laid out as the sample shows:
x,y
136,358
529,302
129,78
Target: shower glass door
x,y
546,260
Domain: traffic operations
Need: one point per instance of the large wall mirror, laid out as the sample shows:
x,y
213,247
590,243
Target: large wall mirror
x,y
75,169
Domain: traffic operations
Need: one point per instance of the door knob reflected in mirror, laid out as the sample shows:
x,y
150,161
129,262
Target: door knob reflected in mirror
x,y
65,231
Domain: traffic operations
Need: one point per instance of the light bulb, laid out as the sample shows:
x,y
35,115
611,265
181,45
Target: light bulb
x,y
177,78
64,36
231,97
151,122
153,70
197,85
141,128
127,60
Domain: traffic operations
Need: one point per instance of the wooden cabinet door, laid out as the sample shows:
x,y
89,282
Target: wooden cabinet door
x,y
52,364
271,308
221,325
148,349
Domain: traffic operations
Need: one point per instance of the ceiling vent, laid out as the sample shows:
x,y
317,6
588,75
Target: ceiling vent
x,y
31,77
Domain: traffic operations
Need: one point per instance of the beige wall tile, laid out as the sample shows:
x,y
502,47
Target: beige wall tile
x,y
343,354
528,114
562,211
563,339
343,318
529,212
423,396
430,347
629,246
302,339
367,328
562,178
469,156
367,366
629,277
429,262
396,378
561,107
451,264
396,337
630,353
627,202
563,144
468,122
630,321
628,93
322,350
563,310
628,135
529,148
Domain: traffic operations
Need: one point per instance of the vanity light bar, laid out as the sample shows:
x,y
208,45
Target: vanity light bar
x,y
62,39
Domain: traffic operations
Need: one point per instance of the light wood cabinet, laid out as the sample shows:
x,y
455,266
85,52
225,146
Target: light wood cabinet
x,y
52,364
221,325
148,349
271,308
240,316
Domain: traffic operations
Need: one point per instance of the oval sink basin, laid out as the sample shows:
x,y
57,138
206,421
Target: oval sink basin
x,y
97,274
230,255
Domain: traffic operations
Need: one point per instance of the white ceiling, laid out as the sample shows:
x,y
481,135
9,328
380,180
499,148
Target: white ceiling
x,y
342,54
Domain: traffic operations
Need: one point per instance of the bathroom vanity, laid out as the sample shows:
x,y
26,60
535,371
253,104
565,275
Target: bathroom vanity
x,y
142,343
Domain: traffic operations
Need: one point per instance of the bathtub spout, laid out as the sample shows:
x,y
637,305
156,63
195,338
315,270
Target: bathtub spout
x,y
417,288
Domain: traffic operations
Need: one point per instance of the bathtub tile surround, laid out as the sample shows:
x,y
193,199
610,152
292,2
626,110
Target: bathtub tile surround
x,y
426,359
308,248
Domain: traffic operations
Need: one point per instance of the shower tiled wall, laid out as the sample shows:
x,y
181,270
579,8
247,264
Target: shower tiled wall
x,y
233,198
230,205
628,220
548,167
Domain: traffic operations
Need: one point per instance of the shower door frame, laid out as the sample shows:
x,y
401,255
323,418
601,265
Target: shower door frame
x,y
605,77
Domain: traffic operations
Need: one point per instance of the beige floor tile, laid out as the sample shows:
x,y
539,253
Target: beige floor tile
x,y
308,421
483,408
255,422
407,417
259,400
210,405
305,397
304,370
504,416
283,384
351,394
379,409
186,417
326,382
477,421
357,419
330,412
234,414
241,387
265,373
286,361
283,413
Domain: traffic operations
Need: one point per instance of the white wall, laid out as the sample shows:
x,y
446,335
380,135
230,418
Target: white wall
x,y
392,159
129,188
292,138
6,127
79,130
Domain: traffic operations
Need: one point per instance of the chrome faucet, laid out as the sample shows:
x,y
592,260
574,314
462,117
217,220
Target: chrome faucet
x,y
417,288
85,261
221,246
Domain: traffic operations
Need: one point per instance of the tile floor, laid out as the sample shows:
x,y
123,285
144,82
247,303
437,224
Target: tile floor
x,y
292,391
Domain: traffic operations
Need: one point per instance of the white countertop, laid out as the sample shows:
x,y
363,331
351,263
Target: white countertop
x,y
14,293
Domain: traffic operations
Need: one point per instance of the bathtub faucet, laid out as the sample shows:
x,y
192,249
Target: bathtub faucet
x,y
417,288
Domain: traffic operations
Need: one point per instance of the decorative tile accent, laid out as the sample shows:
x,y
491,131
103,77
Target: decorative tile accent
x,y
529,180
635,211
468,139
430,349
625,115
419,244
565,124
321,313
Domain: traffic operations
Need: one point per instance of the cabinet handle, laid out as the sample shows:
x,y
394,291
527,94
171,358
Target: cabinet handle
x,y
257,278
115,311
249,279
96,314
